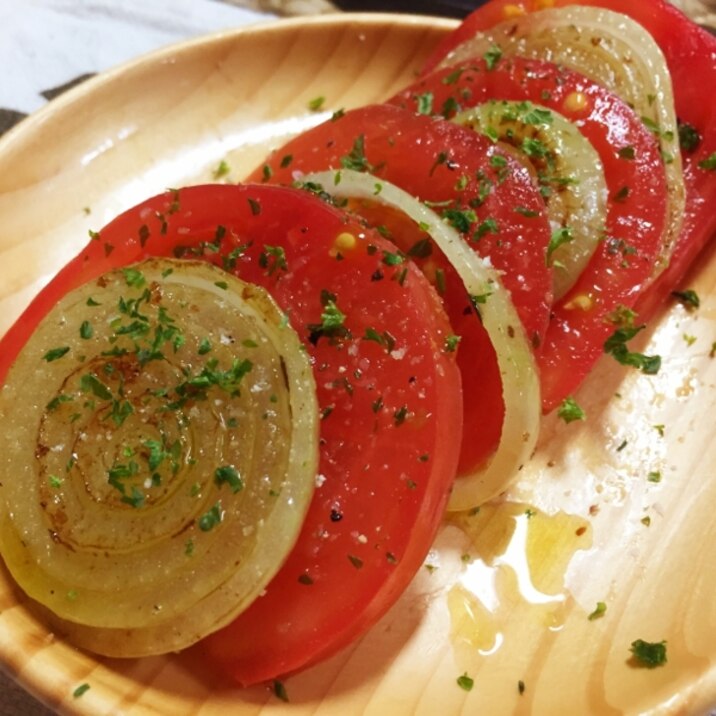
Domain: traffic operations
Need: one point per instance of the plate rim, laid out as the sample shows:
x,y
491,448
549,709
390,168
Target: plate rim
x,y
107,76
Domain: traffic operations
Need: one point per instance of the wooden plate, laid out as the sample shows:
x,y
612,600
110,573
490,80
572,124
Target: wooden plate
x,y
506,594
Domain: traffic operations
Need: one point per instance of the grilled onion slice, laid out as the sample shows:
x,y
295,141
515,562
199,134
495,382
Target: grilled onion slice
x,y
613,50
569,173
520,383
158,456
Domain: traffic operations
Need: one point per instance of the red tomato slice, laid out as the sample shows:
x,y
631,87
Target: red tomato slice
x,y
389,394
623,263
690,53
483,408
478,189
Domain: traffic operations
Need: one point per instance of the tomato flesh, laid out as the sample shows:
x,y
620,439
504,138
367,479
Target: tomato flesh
x,y
472,183
624,261
483,407
389,396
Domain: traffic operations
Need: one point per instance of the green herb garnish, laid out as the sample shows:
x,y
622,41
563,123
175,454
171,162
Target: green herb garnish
x,y
689,298
86,330
56,353
273,258
616,346
465,682
385,338
421,249
570,411
133,277
492,56
709,163
649,654
254,206
229,475
451,343
559,237
460,219
400,415
488,226
331,325
210,519
356,158
80,690
280,690
90,383
221,170
425,103
689,138
599,611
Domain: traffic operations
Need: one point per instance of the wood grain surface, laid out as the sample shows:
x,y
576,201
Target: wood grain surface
x,y
506,594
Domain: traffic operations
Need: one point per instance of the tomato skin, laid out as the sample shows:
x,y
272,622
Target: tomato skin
x,y
391,419
623,264
690,53
450,166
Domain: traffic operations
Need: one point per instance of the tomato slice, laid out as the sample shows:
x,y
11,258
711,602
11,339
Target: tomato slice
x,y
480,190
483,407
623,263
690,53
388,391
